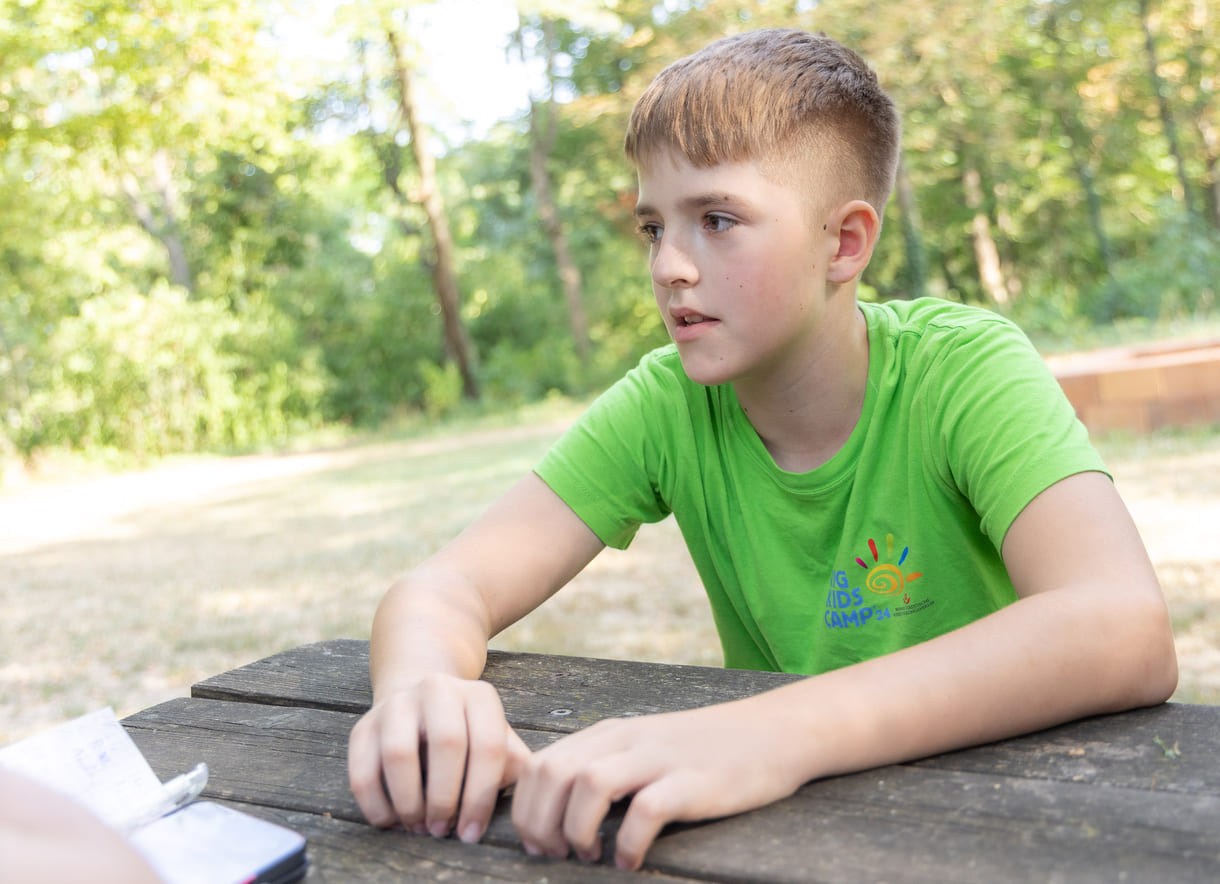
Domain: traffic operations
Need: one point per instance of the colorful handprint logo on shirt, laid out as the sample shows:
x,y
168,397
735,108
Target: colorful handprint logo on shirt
x,y
886,578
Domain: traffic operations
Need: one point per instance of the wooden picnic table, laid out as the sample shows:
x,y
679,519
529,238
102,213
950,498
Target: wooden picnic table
x,y
1130,797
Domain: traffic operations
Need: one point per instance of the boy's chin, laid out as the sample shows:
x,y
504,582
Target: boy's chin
x,y
706,373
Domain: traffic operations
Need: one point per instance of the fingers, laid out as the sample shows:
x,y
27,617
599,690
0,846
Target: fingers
x,y
679,766
563,809
487,733
364,766
456,731
651,808
518,755
566,790
434,757
384,765
559,802
588,803
539,803
445,732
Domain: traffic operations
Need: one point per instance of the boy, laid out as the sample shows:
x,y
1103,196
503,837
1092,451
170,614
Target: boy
x,y
893,499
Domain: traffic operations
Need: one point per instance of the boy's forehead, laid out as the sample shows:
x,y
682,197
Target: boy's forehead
x,y
672,178
667,178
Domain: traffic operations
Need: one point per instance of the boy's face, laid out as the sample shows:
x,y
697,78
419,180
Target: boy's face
x,y
738,266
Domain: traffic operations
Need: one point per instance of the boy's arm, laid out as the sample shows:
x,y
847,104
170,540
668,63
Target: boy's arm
x,y
1090,634
435,748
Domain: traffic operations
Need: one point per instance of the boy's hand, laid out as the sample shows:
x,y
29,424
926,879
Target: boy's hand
x,y
433,756
680,766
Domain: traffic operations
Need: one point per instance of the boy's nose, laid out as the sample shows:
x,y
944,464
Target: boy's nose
x,y
672,266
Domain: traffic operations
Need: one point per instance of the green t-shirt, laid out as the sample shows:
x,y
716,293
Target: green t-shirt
x,y
893,541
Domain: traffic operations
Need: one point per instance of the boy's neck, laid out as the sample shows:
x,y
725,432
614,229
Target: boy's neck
x,y
805,418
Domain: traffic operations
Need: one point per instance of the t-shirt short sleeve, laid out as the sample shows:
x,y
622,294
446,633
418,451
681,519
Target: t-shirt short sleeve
x,y
1001,419
609,465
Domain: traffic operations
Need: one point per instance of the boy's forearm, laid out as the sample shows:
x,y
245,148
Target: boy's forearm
x,y
1044,660
428,622
439,617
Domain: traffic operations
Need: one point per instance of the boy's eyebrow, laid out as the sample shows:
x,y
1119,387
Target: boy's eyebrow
x,y
692,203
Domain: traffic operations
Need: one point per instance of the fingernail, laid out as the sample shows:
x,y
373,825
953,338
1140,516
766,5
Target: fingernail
x,y
439,830
532,850
472,833
418,829
593,854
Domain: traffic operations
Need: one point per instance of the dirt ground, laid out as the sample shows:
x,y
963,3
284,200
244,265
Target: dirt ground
x,y
123,590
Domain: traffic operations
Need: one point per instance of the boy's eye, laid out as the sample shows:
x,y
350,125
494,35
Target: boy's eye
x,y
718,223
650,233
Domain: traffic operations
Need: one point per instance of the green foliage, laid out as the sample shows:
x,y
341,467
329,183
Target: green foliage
x,y
442,388
160,373
1175,276
203,248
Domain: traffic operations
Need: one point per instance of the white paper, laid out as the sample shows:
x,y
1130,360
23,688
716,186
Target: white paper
x,y
94,761
91,759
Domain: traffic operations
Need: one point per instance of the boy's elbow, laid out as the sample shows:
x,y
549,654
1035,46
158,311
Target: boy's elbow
x,y
1163,674
1155,677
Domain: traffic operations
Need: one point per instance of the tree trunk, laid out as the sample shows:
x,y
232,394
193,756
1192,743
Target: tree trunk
x,y
1167,121
543,133
17,389
1078,148
1199,72
1078,141
165,228
986,254
444,276
1211,163
912,236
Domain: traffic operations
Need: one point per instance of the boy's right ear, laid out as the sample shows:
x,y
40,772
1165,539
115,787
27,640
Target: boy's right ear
x,y
855,226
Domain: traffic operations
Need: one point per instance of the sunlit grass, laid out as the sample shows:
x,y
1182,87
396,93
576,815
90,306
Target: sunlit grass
x,y
1171,482
125,589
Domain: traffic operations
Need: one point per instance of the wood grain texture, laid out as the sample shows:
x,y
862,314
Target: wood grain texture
x,y
325,675
342,852
561,694
1173,747
915,824
1129,797
292,759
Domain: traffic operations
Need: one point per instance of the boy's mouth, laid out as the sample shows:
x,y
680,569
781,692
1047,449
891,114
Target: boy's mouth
x,y
689,324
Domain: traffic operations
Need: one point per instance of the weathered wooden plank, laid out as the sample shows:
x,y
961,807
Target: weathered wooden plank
x,y
325,675
542,692
897,823
568,693
564,694
1171,747
341,851
918,824
295,759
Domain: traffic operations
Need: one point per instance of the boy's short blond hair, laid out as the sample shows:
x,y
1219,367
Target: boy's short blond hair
x,y
781,97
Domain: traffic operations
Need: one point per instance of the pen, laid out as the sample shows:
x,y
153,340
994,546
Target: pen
x,y
174,794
